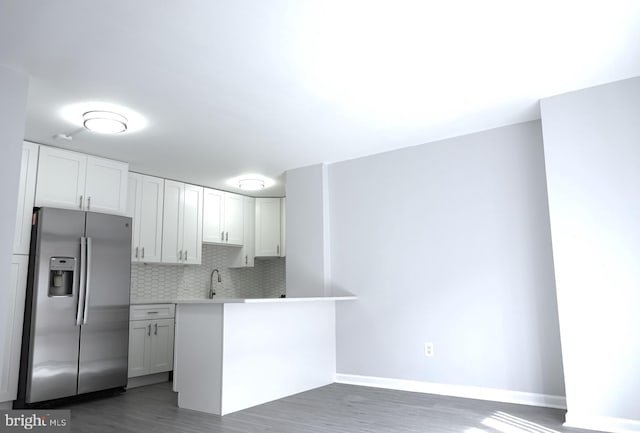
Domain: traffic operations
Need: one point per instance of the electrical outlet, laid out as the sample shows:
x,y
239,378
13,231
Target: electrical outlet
x,y
428,350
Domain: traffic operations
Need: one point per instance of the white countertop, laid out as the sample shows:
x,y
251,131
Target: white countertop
x,y
241,300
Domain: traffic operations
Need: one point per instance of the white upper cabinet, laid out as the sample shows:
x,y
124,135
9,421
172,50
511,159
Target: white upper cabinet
x,y
73,180
26,197
244,258
106,185
223,218
182,223
268,227
213,216
192,224
234,218
61,177
145,205
283,225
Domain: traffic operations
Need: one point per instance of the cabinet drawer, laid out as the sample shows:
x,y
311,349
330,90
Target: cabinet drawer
x,y
152,311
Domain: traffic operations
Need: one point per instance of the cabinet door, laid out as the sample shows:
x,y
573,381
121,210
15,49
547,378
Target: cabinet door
x,y
26,196
192,222
61,178
151,207
173,208
283,227
213,216
161,346
11,313
234,219
106,186
245,256
267,236
134,195
139,347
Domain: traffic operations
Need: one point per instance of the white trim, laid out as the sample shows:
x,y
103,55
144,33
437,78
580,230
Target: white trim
x,y
602,423
149,379
500,395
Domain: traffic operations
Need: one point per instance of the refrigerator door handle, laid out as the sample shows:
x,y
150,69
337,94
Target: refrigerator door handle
x,y
83,280
88,283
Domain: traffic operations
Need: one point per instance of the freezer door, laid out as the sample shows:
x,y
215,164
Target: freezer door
x,y
52,366
104,338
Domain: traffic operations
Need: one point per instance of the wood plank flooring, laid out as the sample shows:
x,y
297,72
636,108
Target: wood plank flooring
x,y
335,408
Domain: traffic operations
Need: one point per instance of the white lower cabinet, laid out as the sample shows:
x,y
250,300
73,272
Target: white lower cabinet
x,y
11,316
151,334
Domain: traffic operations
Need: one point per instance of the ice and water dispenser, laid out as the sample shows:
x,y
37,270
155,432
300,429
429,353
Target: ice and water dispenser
x,y
61,271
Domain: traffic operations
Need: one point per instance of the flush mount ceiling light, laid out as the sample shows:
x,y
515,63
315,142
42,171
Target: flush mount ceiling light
x,y
105,122
103,117
251,184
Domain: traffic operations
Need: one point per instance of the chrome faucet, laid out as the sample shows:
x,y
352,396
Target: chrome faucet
x,y
212,291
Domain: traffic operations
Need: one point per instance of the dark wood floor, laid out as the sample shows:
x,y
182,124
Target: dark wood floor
x,y
331,409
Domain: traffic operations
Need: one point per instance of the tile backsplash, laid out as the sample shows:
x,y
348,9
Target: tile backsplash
x,y
154,281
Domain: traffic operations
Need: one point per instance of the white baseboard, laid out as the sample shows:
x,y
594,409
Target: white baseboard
x,y
151,379
499,395
602,423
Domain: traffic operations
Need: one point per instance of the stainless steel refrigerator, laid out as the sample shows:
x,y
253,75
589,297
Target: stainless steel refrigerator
x,y
76,335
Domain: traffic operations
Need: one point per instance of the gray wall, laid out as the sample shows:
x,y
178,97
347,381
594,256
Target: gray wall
x,y
307,272
13,103
448,242
592,150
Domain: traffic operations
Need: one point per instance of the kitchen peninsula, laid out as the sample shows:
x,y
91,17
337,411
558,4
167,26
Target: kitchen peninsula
x,y
231,354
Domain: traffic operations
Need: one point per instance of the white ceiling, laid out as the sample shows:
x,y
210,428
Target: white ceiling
x,y
230,87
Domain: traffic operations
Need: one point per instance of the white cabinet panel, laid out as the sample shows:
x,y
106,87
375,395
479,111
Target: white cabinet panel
x,y
139,347
12,313
234,219
61,178
245,256
151,209
172,222
223,218
192,225
134,197
106,186
267,227
213,216
283,225
161,355
26,197
182,223
145,205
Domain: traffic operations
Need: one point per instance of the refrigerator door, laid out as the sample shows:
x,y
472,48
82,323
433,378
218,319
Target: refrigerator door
x,y
52,366
104,337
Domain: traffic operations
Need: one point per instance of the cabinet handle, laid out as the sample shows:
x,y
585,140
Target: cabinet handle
x,y
80,202
89,203
227,238
185,255
222,236
149,332
278,249
143,252
180,255
156,331
136,252
246,260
